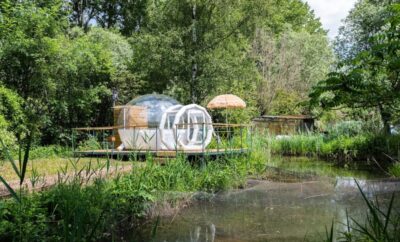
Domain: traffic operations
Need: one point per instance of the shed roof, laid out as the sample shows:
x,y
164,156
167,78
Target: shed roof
x,y
284,117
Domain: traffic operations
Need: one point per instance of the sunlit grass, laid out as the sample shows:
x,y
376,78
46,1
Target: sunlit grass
x,y
51,166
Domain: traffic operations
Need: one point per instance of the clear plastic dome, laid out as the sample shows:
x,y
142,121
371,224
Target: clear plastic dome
x,y
155,105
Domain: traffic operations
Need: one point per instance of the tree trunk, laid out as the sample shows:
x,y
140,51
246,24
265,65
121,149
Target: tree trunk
x,y
194,63
386,117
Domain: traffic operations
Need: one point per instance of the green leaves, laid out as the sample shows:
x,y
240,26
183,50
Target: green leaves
x,y
20,172
379,225
10,190
289,64
64,77
370,78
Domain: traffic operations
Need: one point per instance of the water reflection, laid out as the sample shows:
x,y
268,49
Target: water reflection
x,y
273,211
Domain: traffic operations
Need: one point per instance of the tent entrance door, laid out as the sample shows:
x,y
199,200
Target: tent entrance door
x,y
195,131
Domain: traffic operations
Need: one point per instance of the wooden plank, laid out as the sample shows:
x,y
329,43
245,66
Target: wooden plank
x,y
137,116
117,141
166,153
163,153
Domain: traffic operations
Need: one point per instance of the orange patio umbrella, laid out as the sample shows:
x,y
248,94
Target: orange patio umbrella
x,y
226,101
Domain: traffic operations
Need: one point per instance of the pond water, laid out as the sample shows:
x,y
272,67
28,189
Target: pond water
x,y
296,208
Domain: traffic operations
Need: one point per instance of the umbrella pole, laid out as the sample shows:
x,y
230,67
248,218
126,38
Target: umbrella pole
x,y
228,129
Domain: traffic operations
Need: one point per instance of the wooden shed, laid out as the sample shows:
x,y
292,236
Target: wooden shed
x,y
285,124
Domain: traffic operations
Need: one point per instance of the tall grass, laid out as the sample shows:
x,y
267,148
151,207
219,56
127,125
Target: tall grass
x,y
52,151
339,148
78,210
394,170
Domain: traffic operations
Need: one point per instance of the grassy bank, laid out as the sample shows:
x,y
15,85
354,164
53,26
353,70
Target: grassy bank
x,y
358,150
51,166
107,208
355,147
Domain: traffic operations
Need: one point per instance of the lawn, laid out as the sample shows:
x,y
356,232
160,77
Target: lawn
x,y
51,166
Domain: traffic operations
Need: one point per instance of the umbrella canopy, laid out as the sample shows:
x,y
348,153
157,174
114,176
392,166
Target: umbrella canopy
x,y
226,101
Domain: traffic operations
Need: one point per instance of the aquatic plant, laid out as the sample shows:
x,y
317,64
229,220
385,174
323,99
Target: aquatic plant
x,y
339,148
381,223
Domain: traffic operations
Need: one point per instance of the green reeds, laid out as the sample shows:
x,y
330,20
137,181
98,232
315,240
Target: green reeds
x,y
83,205
19,169
343,148
379,225
394,169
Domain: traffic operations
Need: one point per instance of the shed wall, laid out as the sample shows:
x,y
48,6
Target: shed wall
x,y
283,125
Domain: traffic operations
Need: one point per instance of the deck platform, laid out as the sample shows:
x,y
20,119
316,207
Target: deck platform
x,y
161,153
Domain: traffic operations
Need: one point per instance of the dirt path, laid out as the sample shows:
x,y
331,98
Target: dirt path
x,y
45,182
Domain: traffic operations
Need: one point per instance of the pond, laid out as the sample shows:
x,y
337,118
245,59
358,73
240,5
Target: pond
x,y
296,208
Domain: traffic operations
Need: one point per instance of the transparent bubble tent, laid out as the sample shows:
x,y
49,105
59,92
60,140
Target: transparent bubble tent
x,y
160,126
159,122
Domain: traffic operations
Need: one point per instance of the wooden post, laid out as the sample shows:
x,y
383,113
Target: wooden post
x,y
73,141
176,140
241,139
202,143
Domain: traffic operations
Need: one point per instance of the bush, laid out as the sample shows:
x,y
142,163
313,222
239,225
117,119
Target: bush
x,y
89,144
394,169
52,151
345,128
25,221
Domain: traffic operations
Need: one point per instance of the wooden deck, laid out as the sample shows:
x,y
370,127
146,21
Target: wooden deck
x,y
161,153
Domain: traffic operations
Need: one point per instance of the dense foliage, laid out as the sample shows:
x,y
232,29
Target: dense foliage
x,y
12,117
369,76
64,58
61,61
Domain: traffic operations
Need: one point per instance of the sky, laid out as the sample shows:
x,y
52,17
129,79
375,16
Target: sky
x,y
331,12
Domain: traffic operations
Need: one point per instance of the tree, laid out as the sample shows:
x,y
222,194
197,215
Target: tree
x,y
26,35
193,48
182,44
372,78
90,65
127,15
64,57
363,21
276,16
83,12
289,64
12,118
64,77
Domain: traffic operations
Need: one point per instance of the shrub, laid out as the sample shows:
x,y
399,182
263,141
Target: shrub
x,y
25,221
52,151
345,128
394,169
89,144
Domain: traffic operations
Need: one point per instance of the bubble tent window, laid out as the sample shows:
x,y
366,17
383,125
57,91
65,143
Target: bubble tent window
x,y
155,104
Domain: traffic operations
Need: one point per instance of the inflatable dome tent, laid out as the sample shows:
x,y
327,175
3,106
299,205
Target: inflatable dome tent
x,y
159,122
